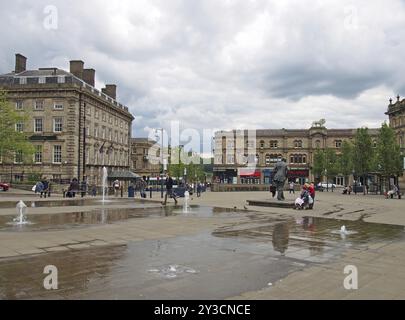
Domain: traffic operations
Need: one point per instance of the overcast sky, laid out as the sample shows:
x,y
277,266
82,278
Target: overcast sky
x,y
223,64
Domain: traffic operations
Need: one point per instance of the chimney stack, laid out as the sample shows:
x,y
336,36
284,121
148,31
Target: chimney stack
x,y
76,68
110,90
89,76
20,63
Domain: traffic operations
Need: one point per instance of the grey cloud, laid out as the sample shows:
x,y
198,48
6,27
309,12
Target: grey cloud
x,y
224,64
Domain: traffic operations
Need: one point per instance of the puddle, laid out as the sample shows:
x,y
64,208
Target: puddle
x,y
42,203
190,267
312,239
243,257
63,221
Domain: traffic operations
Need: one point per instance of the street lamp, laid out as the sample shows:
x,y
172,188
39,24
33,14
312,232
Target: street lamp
x,y
161,156
185,175
181,146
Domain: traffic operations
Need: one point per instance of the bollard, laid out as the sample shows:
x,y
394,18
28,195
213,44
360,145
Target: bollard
x,y
150,192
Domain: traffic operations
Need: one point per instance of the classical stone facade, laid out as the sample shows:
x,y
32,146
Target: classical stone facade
x,y
75,128
265,147
140,161
396,115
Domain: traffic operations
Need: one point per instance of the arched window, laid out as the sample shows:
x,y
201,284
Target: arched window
x,y
317,143
298,144
298,158
262,144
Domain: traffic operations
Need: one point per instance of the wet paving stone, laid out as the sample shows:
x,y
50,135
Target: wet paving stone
x,y
232,259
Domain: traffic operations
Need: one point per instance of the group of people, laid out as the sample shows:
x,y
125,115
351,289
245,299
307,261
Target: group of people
x,y
307,197
43,188
395,191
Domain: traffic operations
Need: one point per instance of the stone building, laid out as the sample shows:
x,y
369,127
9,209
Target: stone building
x,y
75,128
140,162
396,115
297,146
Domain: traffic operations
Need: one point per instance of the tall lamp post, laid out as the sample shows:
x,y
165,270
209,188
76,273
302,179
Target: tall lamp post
x,y
181,146
161,157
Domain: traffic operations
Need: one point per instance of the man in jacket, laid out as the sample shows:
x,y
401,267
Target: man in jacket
x,y
169,189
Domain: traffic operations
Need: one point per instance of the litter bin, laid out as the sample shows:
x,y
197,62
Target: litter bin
x,y
131,192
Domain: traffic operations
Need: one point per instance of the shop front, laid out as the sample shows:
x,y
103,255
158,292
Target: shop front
x,y
299,176
228,176
249,176
267,176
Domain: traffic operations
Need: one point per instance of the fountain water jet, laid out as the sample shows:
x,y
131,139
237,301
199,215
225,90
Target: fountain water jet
x,y
186,199
21,211
104,182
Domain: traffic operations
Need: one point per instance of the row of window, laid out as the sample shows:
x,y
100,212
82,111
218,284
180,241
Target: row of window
x,y
274,144
57,125
111,119
107,158
38,155
107,135
39,105
269,159
250,144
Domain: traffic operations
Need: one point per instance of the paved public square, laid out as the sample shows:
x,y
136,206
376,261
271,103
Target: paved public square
x,y
219,249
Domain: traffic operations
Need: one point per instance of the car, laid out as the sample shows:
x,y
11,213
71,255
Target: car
x,y
4,186
325,185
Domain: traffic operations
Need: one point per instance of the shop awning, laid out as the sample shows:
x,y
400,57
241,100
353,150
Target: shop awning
x,y
249,173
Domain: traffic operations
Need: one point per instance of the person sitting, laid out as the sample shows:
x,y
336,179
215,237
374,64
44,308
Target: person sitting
x,y
345,190
305,196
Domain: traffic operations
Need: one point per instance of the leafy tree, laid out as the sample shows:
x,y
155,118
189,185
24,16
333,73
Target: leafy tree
x,y
346,160
195,171
363,154
318,167
331,163
13,142
325,163
388,158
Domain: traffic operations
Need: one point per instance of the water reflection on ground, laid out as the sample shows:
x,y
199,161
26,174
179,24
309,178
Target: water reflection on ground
x,y
103,215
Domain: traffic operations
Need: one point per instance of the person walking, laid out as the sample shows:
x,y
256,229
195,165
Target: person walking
x,y
94,190
291,187
116,185
73,188
199,187
169,189
44,191
83,188
39,187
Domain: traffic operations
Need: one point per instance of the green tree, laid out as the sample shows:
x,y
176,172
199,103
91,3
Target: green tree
x,y
346,160
388,158
194,169
318,167
13,142
363,154
331,164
